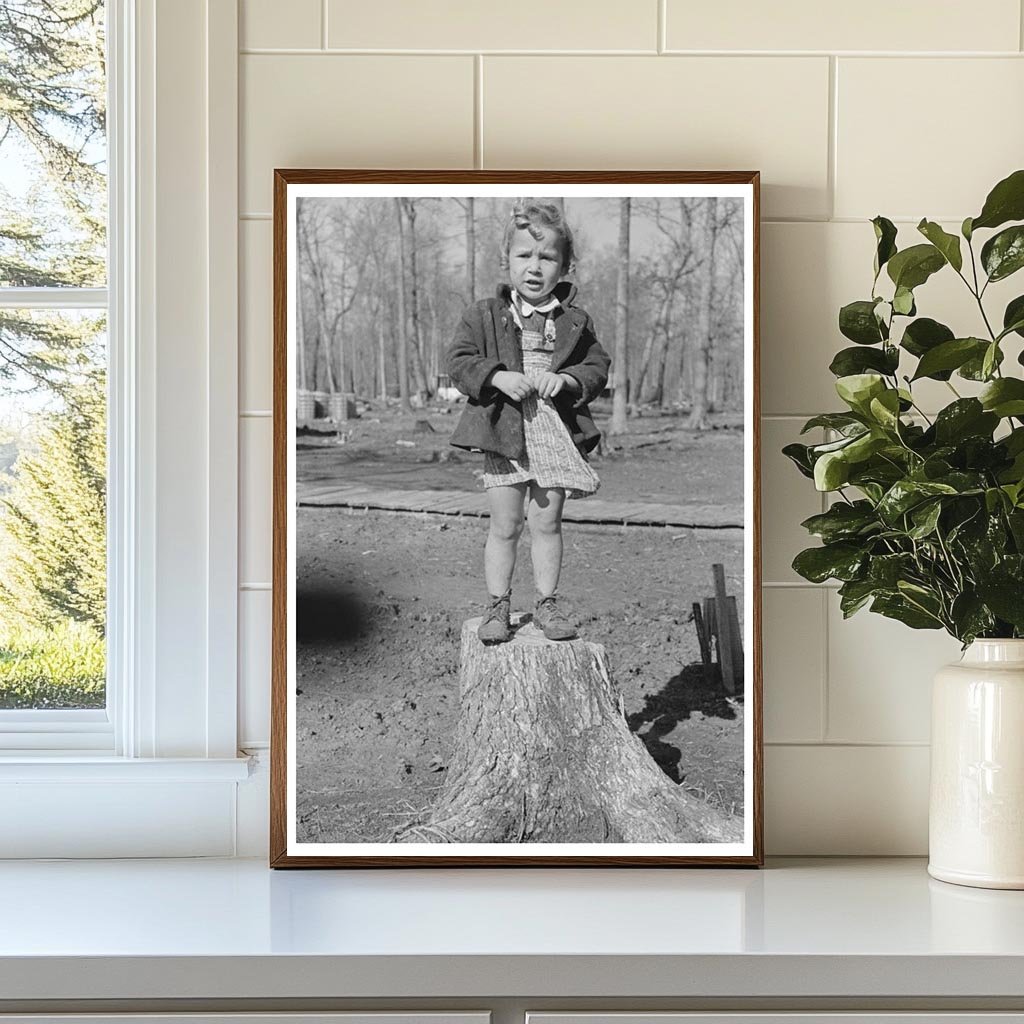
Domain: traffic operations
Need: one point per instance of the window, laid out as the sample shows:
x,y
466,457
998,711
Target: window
x,y
154,763
53,369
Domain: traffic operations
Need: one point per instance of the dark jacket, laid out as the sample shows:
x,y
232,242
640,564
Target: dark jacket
x,y
487,340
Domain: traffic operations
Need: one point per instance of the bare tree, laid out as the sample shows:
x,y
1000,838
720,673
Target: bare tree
x,y
620,371
403,351
706,230
423,389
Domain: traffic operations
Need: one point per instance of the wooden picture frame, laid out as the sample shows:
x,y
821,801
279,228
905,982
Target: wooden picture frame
x,y
339,545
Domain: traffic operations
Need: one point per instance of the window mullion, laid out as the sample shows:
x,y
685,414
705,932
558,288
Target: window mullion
x,y
53,298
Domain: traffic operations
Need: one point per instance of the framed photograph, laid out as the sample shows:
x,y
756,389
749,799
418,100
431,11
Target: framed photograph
x,y
516,552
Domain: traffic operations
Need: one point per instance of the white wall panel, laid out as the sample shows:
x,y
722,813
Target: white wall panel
x,y
680,113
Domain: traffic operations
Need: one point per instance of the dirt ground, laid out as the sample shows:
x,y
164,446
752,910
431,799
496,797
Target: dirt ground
x,y
381,597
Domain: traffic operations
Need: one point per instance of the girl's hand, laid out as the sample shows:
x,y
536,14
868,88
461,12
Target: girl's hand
x,y
516,385
550,384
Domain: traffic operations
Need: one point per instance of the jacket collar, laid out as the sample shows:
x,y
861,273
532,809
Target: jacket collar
x,y
569,323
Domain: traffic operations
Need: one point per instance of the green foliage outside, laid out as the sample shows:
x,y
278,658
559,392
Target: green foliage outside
x,y
59,667
928,522
52,234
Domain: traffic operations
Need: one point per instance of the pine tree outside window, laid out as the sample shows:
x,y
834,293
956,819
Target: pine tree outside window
x,y
53,368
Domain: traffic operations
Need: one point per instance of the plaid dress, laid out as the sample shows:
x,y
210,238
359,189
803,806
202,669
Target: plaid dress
x,y
551,458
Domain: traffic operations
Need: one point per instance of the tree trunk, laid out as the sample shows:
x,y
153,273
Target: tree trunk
x,y
470,251
300,346
381,360
423,388
620,375
705,233
543,754
403,342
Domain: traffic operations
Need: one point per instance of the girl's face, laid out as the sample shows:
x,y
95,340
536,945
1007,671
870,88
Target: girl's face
x,y
534,264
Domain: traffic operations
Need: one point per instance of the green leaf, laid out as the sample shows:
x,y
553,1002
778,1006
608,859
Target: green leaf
x,y
885,409
858,389
925,518
903,302
886,571
1005,202
885,235
966,417
912,267
904,495
947,244
923,335
1003,254
840,421
897,607
970,617
1004,397
965,228
974,368
799,455
857,321
1013,318
1003,594
854,594
991,360
840,561
850,361
831,471
949,356
843,521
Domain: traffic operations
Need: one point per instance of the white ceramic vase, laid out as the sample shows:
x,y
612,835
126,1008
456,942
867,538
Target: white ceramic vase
x,y
976,813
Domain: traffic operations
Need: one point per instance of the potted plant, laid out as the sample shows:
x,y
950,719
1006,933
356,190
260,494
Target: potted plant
x,y
927,521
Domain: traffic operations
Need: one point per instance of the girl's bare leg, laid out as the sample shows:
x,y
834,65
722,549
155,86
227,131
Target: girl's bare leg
x,y
546,536
503,536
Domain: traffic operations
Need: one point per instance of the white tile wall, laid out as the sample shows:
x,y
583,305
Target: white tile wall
x,y
254,611
332,110
961,130
697,113
873,25
260,25
255,508
787,499
921,121
795,639
256,306
472,25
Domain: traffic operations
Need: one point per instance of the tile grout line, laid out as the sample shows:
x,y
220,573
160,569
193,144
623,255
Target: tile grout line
x,y
831,171
258,51
323,24
478,111
824,723
851,744
662,40
1020,24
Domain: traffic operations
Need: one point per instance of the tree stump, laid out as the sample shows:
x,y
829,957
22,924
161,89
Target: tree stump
x,y
543,754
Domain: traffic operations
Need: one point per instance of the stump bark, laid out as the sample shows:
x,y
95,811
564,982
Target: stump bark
x,y
543,754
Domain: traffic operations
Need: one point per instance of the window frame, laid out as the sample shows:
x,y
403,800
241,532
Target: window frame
x,y
165,779
79,729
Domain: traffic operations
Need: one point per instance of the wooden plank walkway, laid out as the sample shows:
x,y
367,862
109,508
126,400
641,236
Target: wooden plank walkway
x,y
474,503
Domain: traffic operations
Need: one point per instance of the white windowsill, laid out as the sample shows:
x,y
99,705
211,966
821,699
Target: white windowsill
x,y
78,766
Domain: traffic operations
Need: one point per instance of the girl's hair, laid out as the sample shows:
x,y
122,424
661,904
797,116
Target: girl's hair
x,y
531,214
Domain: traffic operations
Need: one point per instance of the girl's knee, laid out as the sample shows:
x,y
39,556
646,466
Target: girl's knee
x,y
506,526
545,520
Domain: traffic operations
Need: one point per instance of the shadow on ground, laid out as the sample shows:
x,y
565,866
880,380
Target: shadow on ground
x,y
676,702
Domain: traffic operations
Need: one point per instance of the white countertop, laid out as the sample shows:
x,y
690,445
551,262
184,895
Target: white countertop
x,y
234,929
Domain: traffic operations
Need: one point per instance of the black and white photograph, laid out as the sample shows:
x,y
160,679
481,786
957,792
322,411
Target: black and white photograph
x,y
516,567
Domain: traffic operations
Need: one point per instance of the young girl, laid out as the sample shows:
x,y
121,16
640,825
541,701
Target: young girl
x,y
529,363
